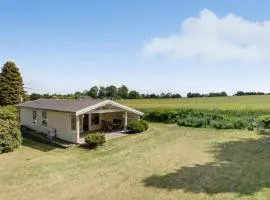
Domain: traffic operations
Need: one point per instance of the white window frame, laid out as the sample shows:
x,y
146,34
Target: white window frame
x,y
34,120
71,125
44,119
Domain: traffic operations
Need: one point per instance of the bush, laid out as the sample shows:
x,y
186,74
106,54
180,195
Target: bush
x,y
250,128
10,135
167,115
252,125
264,122
95,139
137,126
240,123
145,124
222,124
264,132
195,122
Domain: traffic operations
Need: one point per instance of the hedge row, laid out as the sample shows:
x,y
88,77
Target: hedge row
x,y
218,119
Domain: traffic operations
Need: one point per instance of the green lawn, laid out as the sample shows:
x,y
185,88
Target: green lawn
x,y
223,103
166,162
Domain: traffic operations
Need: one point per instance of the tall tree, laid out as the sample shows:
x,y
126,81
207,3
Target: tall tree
x,y
102,92
35,96
46,96
93,92
123,92
77,95
11,85
111,92
134,95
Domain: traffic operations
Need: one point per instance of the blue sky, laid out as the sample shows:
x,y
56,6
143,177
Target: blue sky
x,y
150,46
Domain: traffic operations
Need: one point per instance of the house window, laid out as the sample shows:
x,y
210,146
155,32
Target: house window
x,y
73,122
95,119
44,118
34,116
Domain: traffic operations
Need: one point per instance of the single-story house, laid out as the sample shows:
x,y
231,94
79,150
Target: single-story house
x,y
69,120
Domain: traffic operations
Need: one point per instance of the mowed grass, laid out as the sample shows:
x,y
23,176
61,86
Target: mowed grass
x,y
234,103
166,162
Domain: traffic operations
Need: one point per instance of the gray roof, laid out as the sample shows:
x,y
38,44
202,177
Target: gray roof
x,y
64,105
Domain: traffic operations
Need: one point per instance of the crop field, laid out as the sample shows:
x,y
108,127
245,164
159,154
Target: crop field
x,y
241,103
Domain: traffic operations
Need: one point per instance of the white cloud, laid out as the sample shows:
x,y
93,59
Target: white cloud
x,y
211,39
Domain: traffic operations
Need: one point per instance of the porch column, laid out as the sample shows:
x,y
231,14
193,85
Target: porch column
x,y
90,121
125,121
78,128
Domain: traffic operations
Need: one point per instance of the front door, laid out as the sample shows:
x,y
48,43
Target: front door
x,y
85,122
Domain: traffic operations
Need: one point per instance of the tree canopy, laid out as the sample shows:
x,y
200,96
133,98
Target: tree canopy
x,y
123,92
111,92
93,92
11,85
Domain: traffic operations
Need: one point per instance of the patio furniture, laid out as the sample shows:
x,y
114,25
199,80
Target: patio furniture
x,y
116,124
106,126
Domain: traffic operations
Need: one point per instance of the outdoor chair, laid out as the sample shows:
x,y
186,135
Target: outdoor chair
x,y
116,124
106,126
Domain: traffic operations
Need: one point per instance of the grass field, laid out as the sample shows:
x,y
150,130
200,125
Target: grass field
x,y
223,103
166,162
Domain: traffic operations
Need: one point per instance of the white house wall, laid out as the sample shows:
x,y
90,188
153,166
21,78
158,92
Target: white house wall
x,y
132,117
59,121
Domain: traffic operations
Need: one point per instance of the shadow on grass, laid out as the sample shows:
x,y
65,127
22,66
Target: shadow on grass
x,y
241,167
87,147
38,145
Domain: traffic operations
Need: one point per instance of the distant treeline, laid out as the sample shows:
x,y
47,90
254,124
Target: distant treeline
x,y
224,94
212,94
110,92
241,93
113,92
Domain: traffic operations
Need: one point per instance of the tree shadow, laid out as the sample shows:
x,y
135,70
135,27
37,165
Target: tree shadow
x,y
38,145
241,167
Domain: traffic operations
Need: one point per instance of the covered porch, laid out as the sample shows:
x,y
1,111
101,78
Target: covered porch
x,y
108,119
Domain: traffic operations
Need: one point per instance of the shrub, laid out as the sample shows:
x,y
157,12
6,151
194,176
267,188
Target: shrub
x,y
264,132
193,122
252,125
250,128
222,124
239,124
167,115
264,121
95,139
145,124
10,135
137,126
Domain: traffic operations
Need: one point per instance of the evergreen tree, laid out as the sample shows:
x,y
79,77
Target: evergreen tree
x,y
11,85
